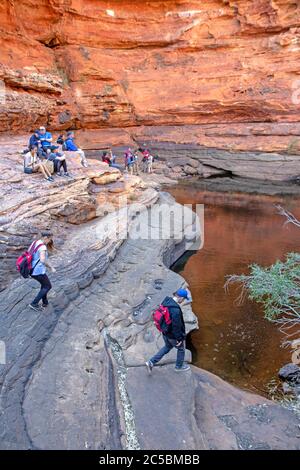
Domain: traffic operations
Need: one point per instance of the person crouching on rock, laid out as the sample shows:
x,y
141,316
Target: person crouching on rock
x,y
59,161
40,263
168,319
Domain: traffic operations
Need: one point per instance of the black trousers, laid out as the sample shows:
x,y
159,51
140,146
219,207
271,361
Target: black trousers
x,y
46,286
62,164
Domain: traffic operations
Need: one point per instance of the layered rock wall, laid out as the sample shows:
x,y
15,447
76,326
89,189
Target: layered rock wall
x,y
94,65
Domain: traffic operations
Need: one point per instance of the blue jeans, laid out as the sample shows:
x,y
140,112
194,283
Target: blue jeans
x,y
169,345
115,165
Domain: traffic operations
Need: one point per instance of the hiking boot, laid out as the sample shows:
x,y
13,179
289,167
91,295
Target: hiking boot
x,y
149,366
50,179
183,368
84,164
58,174
36,308
44,306
66,175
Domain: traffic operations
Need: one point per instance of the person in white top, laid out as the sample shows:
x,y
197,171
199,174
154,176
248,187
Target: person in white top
x,y
32,164
40,262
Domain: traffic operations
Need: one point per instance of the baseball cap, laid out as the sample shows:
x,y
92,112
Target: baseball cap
x,y
183,293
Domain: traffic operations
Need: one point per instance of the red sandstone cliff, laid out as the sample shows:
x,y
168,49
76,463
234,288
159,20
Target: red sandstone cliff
x,y
120,64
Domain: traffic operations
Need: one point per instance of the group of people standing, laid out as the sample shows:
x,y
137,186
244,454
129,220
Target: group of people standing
x,y
45,157
132,161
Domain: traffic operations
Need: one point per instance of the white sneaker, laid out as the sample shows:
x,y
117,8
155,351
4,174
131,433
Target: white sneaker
x,y
184,368
149,366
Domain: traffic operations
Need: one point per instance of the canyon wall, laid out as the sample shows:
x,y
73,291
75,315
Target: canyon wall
x,y
221,71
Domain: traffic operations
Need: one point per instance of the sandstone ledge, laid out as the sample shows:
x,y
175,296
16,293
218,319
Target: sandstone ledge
x,y
75,378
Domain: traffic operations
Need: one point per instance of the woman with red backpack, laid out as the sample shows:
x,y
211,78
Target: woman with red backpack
x,y
39,252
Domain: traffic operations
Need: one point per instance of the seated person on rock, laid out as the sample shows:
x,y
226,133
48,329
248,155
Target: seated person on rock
x,y
105,158
109,158
59,161
34,141
45,138
113,160
61,140
70,146
32,164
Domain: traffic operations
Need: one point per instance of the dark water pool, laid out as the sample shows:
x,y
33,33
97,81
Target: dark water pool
x,y
235,341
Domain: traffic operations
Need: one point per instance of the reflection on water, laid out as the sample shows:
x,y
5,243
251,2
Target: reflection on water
x,y
235,341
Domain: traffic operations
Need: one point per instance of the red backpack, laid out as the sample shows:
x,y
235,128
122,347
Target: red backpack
x,y
24,263
162,319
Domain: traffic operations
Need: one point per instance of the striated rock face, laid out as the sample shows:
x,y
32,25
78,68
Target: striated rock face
x,y
118,64
80,365
30,204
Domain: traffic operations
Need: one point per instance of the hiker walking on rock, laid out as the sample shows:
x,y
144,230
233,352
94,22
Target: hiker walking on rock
x,y
40,262
168,319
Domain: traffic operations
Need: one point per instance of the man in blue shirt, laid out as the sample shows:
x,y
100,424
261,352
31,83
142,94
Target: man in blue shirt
x,y
45,138
70,146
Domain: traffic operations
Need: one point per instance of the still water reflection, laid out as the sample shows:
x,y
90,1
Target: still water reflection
x,y
235,341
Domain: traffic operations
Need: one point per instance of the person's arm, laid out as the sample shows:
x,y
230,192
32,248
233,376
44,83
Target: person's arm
x,y
45,261
49,137
177,324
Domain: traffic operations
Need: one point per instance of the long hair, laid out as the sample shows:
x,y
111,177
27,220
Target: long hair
x,y
50,243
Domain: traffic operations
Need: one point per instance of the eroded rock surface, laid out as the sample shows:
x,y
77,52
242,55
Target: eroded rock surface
x,y
230,68
75,378
29,203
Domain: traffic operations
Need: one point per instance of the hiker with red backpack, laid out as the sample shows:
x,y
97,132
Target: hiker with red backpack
x,y
168,319
33,263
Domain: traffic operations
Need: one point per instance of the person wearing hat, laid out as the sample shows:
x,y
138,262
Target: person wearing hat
x,y
40,262
45,138
59,161
70,146
175,336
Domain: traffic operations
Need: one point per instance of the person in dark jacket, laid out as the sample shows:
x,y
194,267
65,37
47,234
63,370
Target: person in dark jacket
x,y
175,337
35,141
59,161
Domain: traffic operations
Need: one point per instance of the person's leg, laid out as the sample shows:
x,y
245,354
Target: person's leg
x,y
180,355
45,288
55,166
64,165
82,158
164,350
47,285
44,170
115,165
41,169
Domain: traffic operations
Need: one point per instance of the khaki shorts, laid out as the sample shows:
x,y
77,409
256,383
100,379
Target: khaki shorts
x,y
49,165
